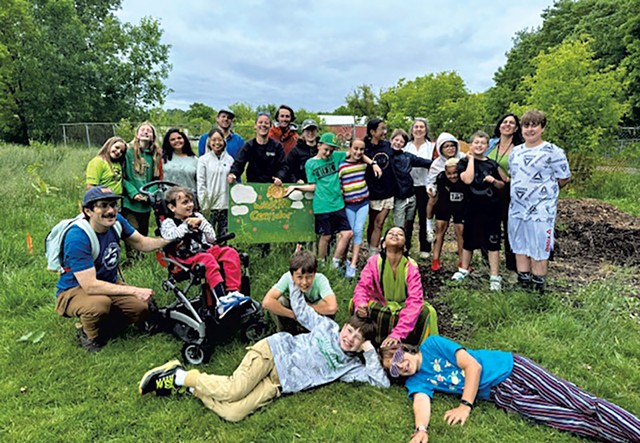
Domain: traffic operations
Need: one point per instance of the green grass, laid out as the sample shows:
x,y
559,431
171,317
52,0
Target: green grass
x,y
54,391
616,187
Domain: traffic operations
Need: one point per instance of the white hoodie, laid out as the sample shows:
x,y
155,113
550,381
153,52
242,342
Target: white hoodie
x,y
438,164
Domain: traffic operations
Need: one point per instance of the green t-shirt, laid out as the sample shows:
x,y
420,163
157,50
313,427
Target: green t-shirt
x,y
319,289
99,173
324,174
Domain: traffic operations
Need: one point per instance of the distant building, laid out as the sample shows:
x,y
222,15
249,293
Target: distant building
x,y
346,127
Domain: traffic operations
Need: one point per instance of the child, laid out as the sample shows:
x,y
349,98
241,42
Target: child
x,y
447,147
449,202
514,383
482,208
280,364
213,189
315,288
404,202
195,233
356,198
106,168
538,170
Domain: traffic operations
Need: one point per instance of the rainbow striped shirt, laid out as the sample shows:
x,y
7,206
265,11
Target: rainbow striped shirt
x,y
354,187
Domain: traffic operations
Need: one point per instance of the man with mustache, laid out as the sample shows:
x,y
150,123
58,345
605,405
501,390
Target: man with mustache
x,y
89,286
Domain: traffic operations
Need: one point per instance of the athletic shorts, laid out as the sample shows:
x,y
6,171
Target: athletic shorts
x,y
444,210
379,205
531,238
332,222
481,228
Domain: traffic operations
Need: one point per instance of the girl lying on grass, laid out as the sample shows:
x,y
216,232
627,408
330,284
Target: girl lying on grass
x,y
514,383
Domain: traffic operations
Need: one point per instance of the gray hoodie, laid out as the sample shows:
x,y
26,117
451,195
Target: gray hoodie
x,y
438,164
308,360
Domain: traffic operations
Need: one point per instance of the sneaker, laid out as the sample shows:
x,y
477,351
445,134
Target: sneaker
x,y
495,283
229,301
336,263
460,275
161,379
431,235
470,269
350,271
435,264
424,255
88,344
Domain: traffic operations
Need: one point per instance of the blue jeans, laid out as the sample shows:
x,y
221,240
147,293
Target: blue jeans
x,y
357,216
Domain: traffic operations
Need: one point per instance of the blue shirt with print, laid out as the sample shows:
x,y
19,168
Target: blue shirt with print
x,y
77,255
440,372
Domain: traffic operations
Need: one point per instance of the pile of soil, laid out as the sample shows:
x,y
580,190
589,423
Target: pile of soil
x,y
589,230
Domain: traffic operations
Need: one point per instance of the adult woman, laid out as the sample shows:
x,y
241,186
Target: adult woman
x,y
106,168
506,135
390,292
420,146
514,383
142,165
213,168
179,163
382,189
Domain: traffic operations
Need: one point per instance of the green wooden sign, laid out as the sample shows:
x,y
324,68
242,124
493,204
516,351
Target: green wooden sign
x,y
259,214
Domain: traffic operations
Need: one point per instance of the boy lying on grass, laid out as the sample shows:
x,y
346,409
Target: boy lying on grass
x,y
280,364
514,383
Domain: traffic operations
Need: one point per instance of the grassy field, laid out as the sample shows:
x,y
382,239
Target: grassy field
x,y
52,390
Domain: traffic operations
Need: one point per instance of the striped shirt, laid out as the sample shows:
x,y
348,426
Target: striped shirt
x,y
354,187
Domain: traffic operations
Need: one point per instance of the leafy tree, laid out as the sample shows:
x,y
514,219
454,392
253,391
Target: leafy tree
x,y
581,102
200,110
65,60
363,102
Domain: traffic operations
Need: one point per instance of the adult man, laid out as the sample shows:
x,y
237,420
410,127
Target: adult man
x,y
224,120
90,288
284,132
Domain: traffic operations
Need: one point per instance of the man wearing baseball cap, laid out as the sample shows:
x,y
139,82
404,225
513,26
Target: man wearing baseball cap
x,y
224,120
89,288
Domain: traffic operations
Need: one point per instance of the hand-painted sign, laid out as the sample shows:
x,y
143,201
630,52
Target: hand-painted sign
x,y
259,214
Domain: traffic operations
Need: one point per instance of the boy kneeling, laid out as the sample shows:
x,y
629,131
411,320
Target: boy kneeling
x,y
315,287
279,364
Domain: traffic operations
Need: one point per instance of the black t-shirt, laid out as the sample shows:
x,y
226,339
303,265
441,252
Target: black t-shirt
x,y
479,190
450,193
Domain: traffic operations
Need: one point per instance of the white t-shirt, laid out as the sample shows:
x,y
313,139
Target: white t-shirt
x,y
419,175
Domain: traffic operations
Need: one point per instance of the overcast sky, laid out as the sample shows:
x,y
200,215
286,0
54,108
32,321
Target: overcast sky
x,y
311,54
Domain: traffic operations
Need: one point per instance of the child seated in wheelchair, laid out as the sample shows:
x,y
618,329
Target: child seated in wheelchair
x,y
194,237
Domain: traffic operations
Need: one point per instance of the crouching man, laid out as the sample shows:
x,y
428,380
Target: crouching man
x,y
280,364
89,288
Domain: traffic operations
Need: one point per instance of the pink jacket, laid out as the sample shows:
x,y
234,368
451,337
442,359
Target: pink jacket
x,y
369,289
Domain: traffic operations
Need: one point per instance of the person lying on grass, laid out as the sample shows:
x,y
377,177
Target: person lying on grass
x,y
315,287
514,383
280,364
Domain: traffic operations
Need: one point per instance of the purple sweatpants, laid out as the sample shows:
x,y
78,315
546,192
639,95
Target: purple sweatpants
x,y
537,394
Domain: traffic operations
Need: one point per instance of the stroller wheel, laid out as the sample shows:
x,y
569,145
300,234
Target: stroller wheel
x,y
255,331
195,354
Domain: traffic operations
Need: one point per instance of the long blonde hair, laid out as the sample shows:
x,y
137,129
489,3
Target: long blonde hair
x,y
104,151
139,163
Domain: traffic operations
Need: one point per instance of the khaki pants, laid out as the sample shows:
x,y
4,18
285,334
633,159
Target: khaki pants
x,y
100,315
253,384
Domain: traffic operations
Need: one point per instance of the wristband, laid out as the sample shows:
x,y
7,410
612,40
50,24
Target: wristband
x,y
466,403
421,428
373,162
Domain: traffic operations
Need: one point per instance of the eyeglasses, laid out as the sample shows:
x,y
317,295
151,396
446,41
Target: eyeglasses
x,y
397,358
108,204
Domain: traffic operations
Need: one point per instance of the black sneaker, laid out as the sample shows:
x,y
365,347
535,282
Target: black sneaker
x,y
88,344
161,380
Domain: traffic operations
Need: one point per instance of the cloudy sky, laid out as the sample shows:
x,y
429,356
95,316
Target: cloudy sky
x,y
311,54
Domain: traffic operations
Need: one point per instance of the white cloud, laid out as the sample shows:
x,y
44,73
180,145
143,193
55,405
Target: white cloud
x,y
311,54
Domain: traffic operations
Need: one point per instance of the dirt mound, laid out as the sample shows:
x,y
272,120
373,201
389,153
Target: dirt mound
x,y
595,231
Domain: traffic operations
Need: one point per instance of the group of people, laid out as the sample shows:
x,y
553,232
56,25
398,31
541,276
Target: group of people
x,y
392,325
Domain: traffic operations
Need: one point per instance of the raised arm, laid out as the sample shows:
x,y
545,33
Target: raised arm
x,y
305,314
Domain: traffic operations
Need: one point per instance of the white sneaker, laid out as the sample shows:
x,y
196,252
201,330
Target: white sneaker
x,y
495,283
460,275
431,235
424,255
336,262
350,271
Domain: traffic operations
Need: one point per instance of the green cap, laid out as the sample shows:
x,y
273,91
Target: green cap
x,y
329,138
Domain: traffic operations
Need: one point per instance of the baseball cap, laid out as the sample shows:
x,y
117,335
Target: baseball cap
x,y
308,123
329,138
226,111
98,193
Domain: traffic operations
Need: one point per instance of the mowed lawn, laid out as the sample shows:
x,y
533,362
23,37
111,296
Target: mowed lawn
x,y
53,391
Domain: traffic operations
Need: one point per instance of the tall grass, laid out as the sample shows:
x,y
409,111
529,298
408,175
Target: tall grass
x,y
52,390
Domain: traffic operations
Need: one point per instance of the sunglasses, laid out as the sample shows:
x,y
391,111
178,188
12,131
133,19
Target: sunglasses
x,y
397,358
263,113
110,204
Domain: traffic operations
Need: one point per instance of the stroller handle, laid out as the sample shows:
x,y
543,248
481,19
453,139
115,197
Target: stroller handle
x,y
162,184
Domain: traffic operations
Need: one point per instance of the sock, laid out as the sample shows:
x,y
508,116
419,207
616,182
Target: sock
x,y
181,375
538,283
429,224
524,279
